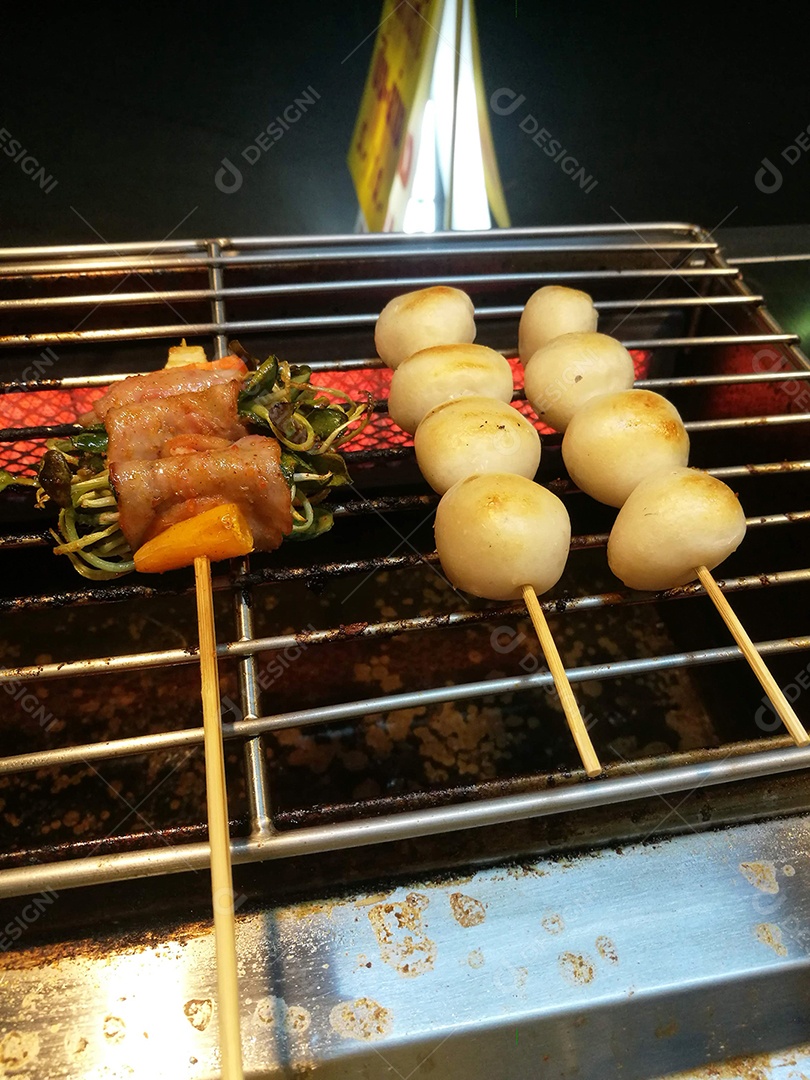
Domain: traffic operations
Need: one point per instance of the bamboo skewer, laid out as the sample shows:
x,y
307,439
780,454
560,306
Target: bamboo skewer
x,y
230,1039
783,707
573,716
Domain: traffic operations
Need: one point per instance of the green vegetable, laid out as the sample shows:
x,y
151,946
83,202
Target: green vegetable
x,y
310,423
8,479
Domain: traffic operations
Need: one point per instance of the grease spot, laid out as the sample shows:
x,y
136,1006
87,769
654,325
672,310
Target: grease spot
x,y
75,1044
476,959
199,1012
114,1028
362,1019
272,1011
788,870
606,949
576,968
666,1031
762,875
18,1050
770,934
467,911
297,1019
553,923
401,938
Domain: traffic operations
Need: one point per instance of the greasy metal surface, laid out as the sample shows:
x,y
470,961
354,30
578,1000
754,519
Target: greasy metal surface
x,y
640,962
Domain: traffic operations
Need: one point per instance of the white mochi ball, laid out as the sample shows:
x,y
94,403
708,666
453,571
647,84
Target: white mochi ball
x,y
498,532
550,312
439,315
671,523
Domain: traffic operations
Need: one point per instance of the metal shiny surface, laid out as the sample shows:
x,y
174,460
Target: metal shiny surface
x,y
637,962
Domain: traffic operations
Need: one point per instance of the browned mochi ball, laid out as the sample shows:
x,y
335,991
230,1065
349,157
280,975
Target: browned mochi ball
x,y
615,440
673,522
416,320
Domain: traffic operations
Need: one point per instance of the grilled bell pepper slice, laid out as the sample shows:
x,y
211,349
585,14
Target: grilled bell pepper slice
x,y
219,533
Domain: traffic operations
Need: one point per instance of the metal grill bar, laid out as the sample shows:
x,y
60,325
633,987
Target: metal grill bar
x,y
316,288
254,726
344,568
476,238
665,383
236,649
339,322
313,840
287,256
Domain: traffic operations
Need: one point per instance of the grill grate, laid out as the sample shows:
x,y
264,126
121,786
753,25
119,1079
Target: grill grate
x,y
663,289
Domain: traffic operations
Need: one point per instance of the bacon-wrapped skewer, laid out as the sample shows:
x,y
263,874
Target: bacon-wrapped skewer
x,y
173,446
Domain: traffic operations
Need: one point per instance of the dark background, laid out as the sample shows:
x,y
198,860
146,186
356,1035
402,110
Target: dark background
x,y
132,108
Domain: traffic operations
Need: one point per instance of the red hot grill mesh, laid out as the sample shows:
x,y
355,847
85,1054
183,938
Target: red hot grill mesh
x,y
52,407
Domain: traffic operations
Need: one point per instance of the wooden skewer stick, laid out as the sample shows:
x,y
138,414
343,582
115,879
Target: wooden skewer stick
x,y
783,707
555,665
230,1039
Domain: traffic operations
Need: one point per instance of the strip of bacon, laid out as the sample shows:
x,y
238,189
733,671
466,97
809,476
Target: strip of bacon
x,y
165,383
155,494
142,431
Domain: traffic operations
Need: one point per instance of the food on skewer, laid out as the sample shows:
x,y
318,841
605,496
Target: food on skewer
x,y
223,532
503,537
152,495
432,376
474,435
497,532
166,383
572,369
417,320
154,428
616,440
673,522
550,312
168,447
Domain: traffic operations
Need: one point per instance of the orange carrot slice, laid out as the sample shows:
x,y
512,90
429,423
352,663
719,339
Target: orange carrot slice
x,y
219,533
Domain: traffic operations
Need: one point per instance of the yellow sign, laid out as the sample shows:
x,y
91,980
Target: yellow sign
x,y
390,116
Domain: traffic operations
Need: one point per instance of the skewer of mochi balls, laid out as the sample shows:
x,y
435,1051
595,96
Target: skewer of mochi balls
x,y
499,535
